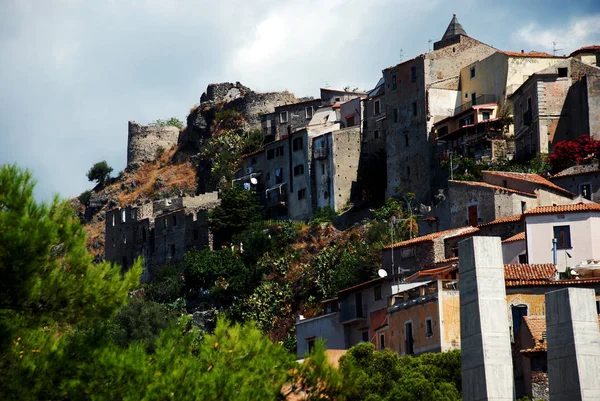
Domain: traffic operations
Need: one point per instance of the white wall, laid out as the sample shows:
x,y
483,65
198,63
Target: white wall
x,y
326,327
512,250
585,238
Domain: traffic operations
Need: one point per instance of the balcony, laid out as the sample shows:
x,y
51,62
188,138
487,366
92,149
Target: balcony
x,y
320,153
483,99
277,195
352,314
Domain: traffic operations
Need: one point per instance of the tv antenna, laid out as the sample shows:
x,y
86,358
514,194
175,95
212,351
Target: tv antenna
x,y
429,41
325,84
554,48
401,54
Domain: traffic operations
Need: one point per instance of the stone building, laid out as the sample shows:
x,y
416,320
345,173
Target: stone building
x,y
307,169
583,180
160,232
329,97
145,142
418,93
561,102
501,194
288,118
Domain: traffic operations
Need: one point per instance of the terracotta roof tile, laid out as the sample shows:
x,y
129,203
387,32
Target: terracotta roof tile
x,y
535,283
252,153
431,272
585,49
530,54
523,272
496,187
573,208
534,178
507,219
515,238
454,232
536,326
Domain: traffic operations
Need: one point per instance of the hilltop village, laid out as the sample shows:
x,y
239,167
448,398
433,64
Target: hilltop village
x,y
459,136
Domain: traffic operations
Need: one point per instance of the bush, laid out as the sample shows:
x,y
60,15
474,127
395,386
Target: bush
x,y
85,196
100,172
173,121
324,215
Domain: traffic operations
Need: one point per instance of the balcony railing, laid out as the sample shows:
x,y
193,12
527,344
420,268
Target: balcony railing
x,y
277,195
351,313
320,153
483,99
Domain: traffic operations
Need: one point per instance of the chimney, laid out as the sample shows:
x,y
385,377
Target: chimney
x,y
522,51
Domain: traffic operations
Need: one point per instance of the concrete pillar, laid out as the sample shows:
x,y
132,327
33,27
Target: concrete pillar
x,y
573,345
487,372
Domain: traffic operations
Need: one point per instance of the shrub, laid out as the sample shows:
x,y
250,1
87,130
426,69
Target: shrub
x,y
100,172
85,196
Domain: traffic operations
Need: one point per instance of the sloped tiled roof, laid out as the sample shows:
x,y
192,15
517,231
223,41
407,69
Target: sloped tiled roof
x,y
586,49
578,170
496,187
431,272
536,326
454,232
529,54
515,238
521,273
573,208
534,178
501,220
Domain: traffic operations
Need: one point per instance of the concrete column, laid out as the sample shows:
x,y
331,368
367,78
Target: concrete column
x,y
573,345
487,372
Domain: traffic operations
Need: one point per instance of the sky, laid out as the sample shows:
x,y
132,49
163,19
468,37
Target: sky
x,y
74,72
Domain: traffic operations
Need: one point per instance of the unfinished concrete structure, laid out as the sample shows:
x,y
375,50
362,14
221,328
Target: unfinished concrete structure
x,y
160,232
573,345
486,362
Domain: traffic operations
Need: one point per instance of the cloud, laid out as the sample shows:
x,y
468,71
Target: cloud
x,y
581,32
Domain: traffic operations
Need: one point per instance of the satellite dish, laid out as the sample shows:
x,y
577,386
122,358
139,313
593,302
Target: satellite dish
x,y
382,273
253,181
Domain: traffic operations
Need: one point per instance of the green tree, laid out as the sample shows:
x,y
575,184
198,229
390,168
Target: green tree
x,y
238,210
375,376
100,172
173,121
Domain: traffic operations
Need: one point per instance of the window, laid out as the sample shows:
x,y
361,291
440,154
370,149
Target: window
x,y
523,206
563,72
302,194
414,105
165,222
413,74
322,168
472,73
365,336
395,115
529,103
468,120
406,140
309,112
279,151
394,86
523,258
382,341
283,117
428,327
172,250
123,216
299,169
270,154
485,115
325,195
174,220
585,190
337,99
466,95
196,234
376,134
298,144
377,107
310,344
473,98
408,172
563,237
350,121
377,292
505,183
278,176
598,307
472,216
143,234
408,339
113,220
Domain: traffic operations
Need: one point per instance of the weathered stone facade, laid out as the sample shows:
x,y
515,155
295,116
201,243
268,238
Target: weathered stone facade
x,y
159,232
144,142
581,180
410,161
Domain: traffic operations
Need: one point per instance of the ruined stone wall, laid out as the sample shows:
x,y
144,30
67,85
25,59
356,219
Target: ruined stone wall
x,y
346,155
144,141
126,236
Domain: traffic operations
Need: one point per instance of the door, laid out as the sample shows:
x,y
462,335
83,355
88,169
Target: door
x,y
472,212
359,309
409,341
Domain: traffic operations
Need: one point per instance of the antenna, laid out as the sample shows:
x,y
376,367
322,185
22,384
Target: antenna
x,y
554,48
325,84
401,55
429,41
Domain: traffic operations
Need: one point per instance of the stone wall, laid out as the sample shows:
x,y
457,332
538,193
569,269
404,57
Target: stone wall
x,y
346,154
144,141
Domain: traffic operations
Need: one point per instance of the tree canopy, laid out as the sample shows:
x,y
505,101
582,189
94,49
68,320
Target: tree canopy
x,y
100,172
238,210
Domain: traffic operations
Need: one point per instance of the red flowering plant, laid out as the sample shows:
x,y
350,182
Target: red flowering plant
x,y
571,153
